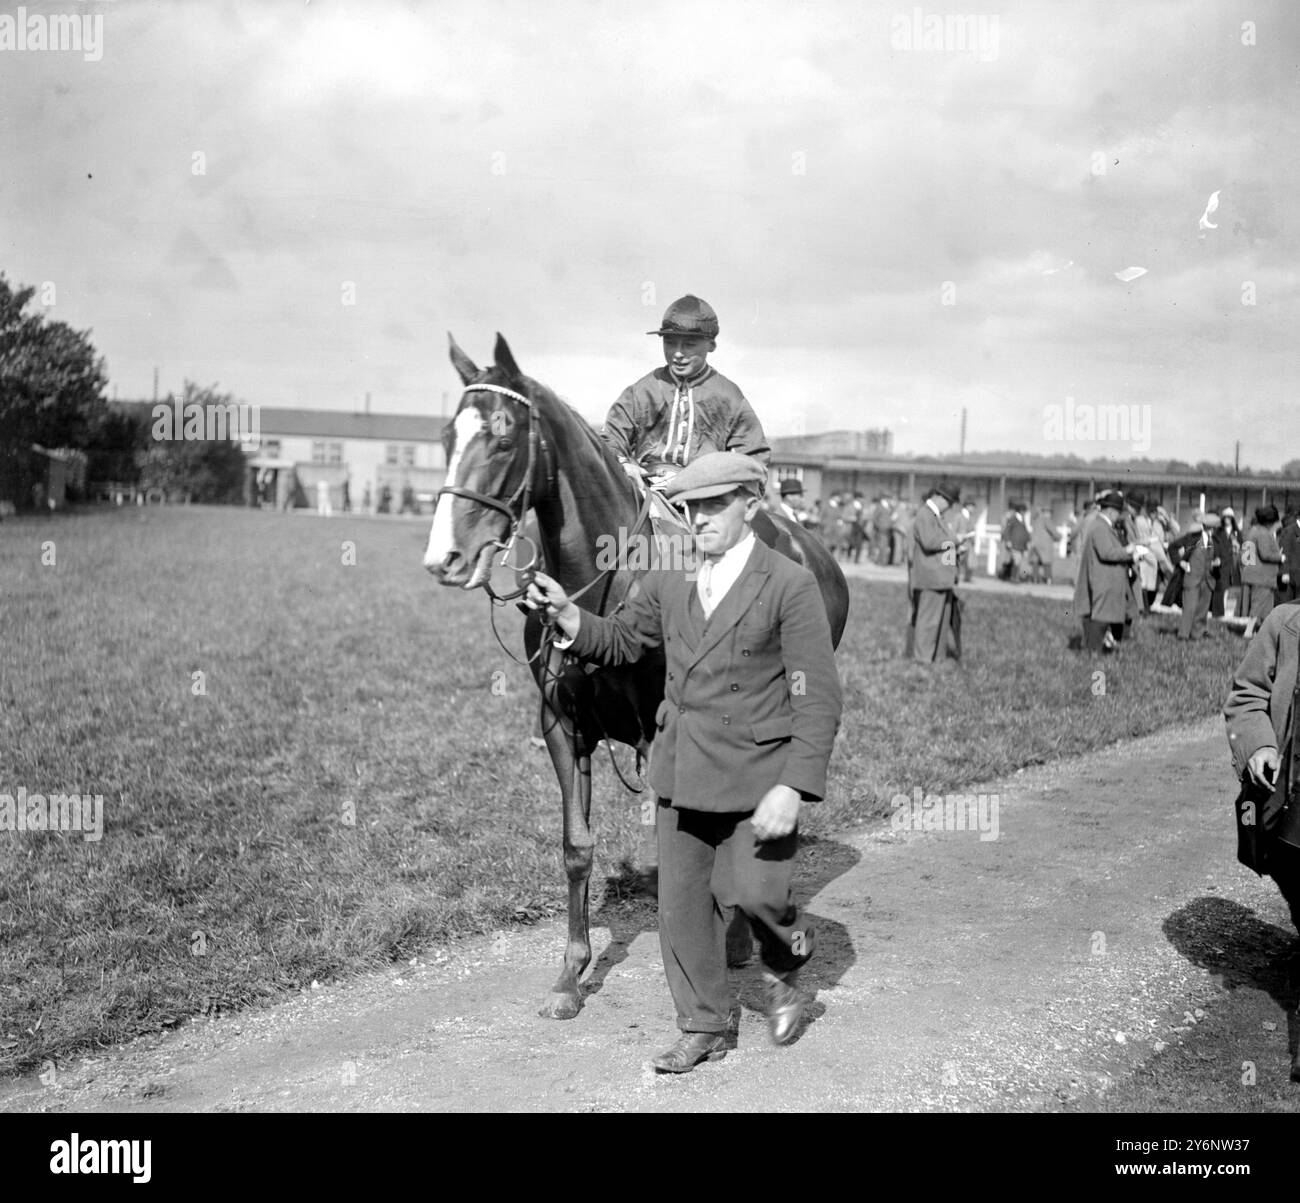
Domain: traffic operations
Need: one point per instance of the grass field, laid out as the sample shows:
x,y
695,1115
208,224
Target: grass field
x,y
342,786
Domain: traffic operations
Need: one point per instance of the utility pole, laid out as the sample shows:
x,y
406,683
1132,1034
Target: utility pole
x,y
1236,467
367,403
155,384
963,432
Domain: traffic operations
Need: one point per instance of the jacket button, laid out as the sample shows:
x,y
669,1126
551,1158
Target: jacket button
x,y
726,720
735,688
744,651
681,709
670,676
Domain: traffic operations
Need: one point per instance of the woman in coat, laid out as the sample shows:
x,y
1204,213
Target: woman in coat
x,y
1227,542
1261,559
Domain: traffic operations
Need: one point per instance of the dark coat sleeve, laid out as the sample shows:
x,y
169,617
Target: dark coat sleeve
x,y
625,637
814,684
1248,708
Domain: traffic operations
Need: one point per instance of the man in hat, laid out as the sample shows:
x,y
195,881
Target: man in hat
x,y
1199,565
935,626
685,408
792,500
751,706
1103,590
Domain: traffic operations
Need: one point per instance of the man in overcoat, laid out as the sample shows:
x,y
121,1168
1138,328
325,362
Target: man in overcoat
x,y
751,707
1200,566
1102,590
932,579
1259,715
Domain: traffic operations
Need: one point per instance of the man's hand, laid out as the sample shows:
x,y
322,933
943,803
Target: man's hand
x,y
633,469
777,813
546,594
1262,767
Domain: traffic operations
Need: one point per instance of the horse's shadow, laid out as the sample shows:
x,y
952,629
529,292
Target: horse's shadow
x,y
629,910
1227,939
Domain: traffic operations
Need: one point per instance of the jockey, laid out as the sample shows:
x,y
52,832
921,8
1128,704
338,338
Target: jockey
x,y
682,410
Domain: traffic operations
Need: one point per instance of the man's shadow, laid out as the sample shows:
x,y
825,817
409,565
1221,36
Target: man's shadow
x,y
629,909
1228,939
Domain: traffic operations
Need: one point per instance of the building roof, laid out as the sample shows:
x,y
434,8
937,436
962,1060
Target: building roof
x,y
281,421
895,466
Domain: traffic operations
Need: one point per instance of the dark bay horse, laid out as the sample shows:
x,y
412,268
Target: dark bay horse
x,y
514,445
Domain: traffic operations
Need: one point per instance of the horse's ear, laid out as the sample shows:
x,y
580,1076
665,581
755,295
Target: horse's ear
x,y
504,359
463,364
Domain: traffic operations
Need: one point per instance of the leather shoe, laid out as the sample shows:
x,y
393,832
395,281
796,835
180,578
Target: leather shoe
x,y
785,1005
691,1048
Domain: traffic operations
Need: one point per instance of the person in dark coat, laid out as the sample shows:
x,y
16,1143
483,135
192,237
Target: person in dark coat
x,y
1200,565
1227,546
1258,713
1103,592
751,706
935,626
1288,542
1261,559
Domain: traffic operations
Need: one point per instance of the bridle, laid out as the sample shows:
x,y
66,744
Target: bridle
x,y
515,508
520,498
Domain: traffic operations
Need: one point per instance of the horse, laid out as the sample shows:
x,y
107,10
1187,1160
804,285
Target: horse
x,y
512,446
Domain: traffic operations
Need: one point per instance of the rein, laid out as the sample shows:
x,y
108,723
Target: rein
x,y
516,508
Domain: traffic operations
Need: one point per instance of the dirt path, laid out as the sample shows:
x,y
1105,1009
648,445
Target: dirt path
x,y
1035,971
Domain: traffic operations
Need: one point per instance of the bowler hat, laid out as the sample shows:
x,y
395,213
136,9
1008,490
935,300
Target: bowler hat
x,y
689,315
948,491
716,473
1111,499
791,487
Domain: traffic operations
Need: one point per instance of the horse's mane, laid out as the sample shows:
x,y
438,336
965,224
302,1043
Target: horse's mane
x,y
592,439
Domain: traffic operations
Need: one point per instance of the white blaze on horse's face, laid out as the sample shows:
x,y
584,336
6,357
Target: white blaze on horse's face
x,y
442,539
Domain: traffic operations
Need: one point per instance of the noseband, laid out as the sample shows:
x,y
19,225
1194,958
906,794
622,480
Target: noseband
x,y
517,505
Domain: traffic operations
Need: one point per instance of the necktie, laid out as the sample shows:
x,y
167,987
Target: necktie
x,y
706,586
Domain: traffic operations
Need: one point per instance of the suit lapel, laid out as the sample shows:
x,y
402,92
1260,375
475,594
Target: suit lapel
x,y
737,602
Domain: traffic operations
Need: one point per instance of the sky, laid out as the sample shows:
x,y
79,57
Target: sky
x,y
894,220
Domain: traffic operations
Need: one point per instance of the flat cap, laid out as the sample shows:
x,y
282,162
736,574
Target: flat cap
x,y
717,473
1208,521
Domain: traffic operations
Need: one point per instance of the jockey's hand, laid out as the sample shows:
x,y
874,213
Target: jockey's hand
x,y
633,469
1262,767
545,594
777,813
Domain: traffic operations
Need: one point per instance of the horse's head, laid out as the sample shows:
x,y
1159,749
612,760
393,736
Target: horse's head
x,y
488,467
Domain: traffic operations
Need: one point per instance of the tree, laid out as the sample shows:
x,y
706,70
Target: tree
x,y
203,470
1291,468
51,389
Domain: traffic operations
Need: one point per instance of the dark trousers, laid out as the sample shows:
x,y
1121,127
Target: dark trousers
x,y
1196,606
1094,634
708,862
1257,601
1284,868
935,627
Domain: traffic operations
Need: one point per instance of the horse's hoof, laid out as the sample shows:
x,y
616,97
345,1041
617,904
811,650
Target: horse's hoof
x,y
561,1006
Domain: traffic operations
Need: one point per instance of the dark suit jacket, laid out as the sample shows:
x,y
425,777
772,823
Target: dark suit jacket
x,y
751,698
1289,544
933,560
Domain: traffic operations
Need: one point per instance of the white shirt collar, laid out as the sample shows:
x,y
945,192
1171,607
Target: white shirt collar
x,y
722,573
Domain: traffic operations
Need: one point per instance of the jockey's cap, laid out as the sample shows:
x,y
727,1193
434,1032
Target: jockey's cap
x,y
689,315
716,473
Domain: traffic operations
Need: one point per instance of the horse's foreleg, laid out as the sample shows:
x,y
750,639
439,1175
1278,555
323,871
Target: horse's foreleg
x,y
573,769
